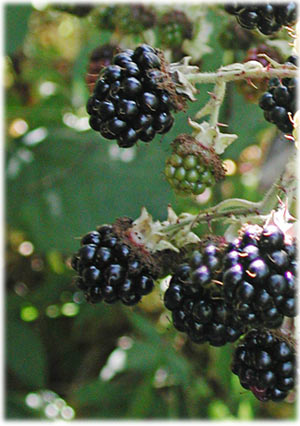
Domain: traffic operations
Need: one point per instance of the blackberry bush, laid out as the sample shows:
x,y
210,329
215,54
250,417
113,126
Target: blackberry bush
x,y
133,98
279,103
265,363
259,276
197,301
192,167
267,18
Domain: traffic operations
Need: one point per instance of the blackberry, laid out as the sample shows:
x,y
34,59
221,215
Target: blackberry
x,y
110,268
252,92
267,18
192,167
174,27
128,19
197,302
258,277
279,103
137,91
265,363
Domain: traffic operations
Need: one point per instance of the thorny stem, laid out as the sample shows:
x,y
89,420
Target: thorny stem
x,y
227,74
233,208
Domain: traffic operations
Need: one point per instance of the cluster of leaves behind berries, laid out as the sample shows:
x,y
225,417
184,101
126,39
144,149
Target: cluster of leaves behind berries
x,y
259,277
128,103
268,18
197,301
265,364
109,270
280,101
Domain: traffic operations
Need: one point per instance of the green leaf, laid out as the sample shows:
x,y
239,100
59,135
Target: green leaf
x,y
25,354
16,26
143,356
142,400
145,328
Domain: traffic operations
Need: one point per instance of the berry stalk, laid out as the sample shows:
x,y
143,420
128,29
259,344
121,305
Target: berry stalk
x,y
233,208
237,71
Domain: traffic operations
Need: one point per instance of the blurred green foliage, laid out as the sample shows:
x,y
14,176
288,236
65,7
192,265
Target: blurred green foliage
x,y
64,358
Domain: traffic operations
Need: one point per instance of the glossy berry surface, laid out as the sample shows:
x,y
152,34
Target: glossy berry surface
x,y
258,277
188,173
108,269
279,103
267,18
197,304
128,103
266,365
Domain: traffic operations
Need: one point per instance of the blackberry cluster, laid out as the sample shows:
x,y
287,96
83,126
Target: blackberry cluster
x,y
280,101
253,92
192,167
266,365
128,103
109,270
174,28
268,18
129,19
259,277
197,304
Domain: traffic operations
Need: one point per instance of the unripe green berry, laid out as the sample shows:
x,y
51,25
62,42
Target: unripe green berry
x,y
180,173
189,162
192,175
192,167
207,177
199,188
175,160
169,171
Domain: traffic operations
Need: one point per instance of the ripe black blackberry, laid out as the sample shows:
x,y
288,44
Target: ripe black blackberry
x,y
280,101
111,268
197,303
134,97
259,276
265,363
267,18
